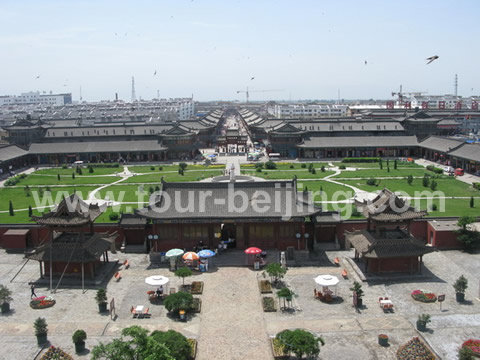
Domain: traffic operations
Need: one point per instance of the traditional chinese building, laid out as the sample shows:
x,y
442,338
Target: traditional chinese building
x,y
387,244
266,214
71,248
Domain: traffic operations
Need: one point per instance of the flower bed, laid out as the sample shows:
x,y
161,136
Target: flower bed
x,y
265,286
414,350
268,304
424,296
56,353
474,345
197,288
42,302
193,345
278,350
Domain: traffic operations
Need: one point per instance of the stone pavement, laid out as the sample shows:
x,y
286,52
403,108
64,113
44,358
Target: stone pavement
x,y
232,324
467,178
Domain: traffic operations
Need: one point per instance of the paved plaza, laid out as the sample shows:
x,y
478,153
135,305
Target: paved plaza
x,y
232,324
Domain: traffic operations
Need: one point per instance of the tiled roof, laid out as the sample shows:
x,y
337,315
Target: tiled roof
x,y
441,144
95,147
359,141
387,206
219,203
393,244
11,152
132,220
468,152
69,247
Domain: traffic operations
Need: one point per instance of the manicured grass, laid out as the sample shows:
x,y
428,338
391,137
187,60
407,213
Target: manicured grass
x,y
21,201
145,169
287,174
328,190
96,171
377,165
288,166
125,193
382,173
453,207
449,186
66,180
174,176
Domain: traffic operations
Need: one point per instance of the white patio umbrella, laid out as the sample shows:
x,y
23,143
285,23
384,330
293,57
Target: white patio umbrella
x,y
174,252
157,280
327,280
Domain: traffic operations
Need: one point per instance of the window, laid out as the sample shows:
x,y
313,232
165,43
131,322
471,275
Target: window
x,y
167,232
195,232
263,231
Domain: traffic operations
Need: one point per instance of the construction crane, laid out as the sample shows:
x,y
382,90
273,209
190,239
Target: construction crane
x,y
399,94
247,92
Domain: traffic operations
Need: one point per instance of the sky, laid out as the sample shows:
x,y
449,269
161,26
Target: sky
x,y
212,48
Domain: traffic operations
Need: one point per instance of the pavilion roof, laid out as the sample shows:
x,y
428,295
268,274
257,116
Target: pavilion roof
x,y
72,211
74,247
387,206
390,244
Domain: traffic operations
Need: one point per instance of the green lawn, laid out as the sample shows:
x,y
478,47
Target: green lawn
x,y
125,193
382,173
287,174
400,165
66,180
288,166
174,176
449,186
327,189
96,171
453,207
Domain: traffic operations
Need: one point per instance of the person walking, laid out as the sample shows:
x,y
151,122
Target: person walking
x,y
32,288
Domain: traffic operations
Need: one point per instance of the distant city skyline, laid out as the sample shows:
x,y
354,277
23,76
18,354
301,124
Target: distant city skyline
x,y
212,49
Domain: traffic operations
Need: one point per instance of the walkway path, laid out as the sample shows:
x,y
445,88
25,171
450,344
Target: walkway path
x,y
233,325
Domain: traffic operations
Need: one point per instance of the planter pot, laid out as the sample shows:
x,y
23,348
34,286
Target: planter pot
x,y
5,308
383,341
41,339
421,325
102,307
460,297
359,302
80,347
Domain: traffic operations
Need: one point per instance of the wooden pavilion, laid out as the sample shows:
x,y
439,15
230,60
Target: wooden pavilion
x,y
387,244
72,248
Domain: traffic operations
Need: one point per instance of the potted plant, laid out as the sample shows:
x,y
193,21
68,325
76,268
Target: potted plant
x,y
40,326
383,339
460,286
78,339
357,289
422,322
5,298
101,299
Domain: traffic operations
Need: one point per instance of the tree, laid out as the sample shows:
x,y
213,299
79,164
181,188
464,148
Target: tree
x,y
388,168
426,180
357,288
275,271
270,165
182,165
300,342
433,185
30,211
395,164
177,343
472,202
178,301
465,353
409,179
73,176
80,172
183,272
287,296
465,220
380,162
90,169
10,208
58,177
322,169
136,344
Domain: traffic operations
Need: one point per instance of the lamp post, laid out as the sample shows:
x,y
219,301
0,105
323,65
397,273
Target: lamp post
x,y
307,235
298,240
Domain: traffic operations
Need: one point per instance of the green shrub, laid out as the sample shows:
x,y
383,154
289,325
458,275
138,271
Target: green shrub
x,y
434,207
270,165
104,165
433,185
268,304
304,166
292,167
152,168
409,179
90,169
113,217
342,167
426,181
177,343
472,202
259,170
10,208
322,169
79,336
371,182
182,165
64,166
73,176
160,168
313,171
178,301
434,169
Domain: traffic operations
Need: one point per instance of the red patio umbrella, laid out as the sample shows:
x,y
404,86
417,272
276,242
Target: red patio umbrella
x,y
253,250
